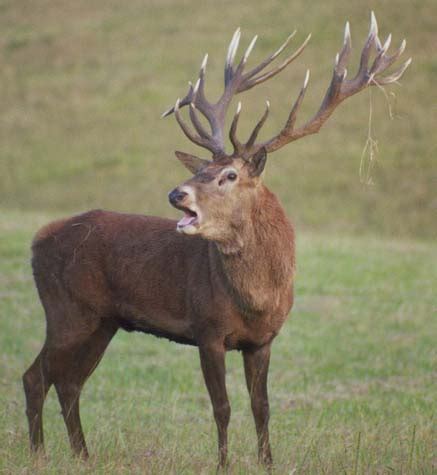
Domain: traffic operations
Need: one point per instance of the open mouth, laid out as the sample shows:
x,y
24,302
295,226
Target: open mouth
x,y
190,218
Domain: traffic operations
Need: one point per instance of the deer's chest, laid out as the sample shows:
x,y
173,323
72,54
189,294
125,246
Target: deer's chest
x,y
244,332
239,326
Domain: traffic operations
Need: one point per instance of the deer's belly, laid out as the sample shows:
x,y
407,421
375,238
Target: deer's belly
x,y
156,321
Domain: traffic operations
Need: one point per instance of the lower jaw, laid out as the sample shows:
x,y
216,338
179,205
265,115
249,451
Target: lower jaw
x,y
189,229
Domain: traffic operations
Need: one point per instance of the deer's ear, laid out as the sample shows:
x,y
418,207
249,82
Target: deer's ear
x,y
258,162
193,163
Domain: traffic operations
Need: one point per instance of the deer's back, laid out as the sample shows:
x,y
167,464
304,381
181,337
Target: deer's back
x,y
131,268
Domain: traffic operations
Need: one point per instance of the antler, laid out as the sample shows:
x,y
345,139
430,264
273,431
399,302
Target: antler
x,y
236,81
340,88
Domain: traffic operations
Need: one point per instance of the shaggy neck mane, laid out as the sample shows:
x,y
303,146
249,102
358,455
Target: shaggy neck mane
x,y
259,262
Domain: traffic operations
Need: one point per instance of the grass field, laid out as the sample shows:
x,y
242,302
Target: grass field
x,y
353,381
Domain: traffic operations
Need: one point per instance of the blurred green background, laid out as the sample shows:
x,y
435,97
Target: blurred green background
x,y
83,85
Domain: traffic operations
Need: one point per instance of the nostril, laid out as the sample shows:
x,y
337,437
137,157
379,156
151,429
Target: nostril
x,y
176,196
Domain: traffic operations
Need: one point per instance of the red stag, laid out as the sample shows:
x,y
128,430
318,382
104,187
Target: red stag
x,y
221,278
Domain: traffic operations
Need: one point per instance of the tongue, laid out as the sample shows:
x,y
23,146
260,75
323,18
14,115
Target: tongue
x,y
186,220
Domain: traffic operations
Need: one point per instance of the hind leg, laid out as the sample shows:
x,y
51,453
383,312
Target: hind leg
x,y
36,384
74,367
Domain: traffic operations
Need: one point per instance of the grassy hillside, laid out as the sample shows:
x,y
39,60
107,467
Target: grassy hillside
x,y
83,85
352,383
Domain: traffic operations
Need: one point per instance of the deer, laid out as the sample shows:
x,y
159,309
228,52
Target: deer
x,y
220,279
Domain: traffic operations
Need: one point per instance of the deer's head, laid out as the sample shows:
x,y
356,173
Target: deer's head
x,y
217,199
222,190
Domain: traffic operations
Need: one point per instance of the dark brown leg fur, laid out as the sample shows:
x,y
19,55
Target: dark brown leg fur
x,y
75,366
67,368
256,367
213,367
36,383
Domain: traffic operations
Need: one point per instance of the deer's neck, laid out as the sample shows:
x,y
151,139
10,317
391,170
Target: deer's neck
x,y
258,262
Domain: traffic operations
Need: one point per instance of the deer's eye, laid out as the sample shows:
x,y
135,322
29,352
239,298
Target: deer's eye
x,y
230,176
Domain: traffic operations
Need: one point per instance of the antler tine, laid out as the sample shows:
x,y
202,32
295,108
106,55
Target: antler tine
x,y
197,124
344,54
194,93
381,51
232,51
289,125
230,75
205,142
394,76
248,51
269,59
250,82
370,41
387,43
183,102
386,61
277,141
258,126
199,88
233,131
184,126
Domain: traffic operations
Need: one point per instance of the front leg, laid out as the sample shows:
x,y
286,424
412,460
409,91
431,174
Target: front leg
x,y
256,367
212,359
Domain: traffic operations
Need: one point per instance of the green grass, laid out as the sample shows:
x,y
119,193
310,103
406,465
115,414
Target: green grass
x,y
353,379
83,85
